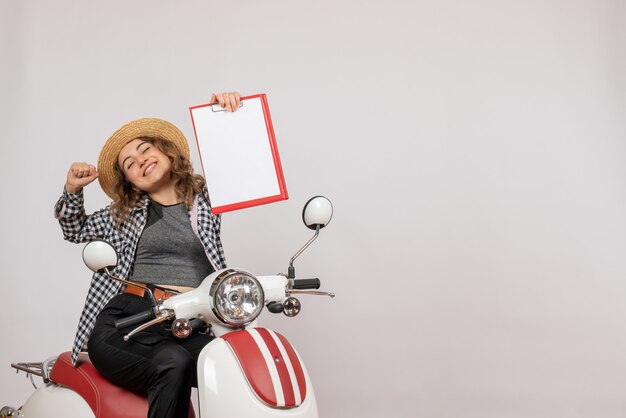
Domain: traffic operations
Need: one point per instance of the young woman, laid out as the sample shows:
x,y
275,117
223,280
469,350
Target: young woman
x,y
161,224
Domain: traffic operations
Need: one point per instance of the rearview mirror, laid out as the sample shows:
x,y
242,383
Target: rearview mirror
x,y
98,255
317,212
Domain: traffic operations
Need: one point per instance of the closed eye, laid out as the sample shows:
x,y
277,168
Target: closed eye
x,y
145,149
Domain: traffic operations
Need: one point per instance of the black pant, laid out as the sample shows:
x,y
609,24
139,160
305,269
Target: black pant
x,y
152,362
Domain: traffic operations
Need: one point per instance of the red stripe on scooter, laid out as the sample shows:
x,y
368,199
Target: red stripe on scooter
x,y
295,363
283,373
253,364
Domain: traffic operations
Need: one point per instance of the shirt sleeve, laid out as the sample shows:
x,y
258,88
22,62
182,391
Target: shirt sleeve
x,y
215,218
76,225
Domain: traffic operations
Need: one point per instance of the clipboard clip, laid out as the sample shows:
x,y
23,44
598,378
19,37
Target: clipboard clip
x,y
217,108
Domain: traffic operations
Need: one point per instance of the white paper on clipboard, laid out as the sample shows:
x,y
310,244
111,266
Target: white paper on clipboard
x,y
239,155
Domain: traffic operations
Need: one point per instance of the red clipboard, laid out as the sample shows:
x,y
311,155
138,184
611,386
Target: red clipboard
x,y
238,154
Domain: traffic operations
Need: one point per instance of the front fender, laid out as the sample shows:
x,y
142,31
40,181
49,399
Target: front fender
x,y
224,391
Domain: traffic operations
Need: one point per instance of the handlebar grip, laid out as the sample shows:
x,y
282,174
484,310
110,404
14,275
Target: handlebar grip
x,y
306,284
134,319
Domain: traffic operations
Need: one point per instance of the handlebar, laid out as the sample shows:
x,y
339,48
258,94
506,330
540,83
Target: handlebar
x,y
294,286
134,319
306,284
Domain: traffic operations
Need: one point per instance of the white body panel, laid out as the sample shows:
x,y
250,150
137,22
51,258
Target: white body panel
x,y
224,391
274,287
52,400
194,304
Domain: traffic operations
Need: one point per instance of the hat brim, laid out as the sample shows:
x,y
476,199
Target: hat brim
x,y
146,127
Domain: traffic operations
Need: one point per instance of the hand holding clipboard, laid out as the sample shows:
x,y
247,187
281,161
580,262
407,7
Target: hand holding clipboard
x,y
238,153
230,101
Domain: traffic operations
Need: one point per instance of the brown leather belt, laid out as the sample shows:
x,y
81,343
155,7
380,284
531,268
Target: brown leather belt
x,y
159,294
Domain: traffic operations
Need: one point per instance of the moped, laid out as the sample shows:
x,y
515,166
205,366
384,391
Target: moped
x,y
246,371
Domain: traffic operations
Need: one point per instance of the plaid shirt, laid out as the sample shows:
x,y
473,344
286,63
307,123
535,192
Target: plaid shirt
x,y
78,227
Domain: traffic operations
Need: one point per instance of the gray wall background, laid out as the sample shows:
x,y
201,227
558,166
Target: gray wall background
x,y
474,153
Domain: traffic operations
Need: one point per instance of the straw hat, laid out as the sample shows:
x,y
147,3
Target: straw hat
x,y
150,127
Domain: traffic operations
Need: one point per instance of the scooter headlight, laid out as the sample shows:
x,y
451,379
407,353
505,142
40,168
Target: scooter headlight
x,y
237,297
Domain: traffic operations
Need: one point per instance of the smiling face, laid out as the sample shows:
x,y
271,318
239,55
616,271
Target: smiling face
x,y
145,166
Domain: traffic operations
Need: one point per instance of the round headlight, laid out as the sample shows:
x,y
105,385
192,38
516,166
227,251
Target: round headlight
x,y
236,297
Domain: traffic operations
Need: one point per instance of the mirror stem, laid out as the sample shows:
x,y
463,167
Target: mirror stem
x,y
291,273
128,283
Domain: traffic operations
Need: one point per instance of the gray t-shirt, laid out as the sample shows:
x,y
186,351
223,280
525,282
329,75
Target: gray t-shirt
x,y
169,252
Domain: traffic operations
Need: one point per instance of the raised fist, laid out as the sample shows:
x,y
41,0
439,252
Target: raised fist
x,y
78,176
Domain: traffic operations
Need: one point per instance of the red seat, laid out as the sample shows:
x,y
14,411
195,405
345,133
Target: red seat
x,y
104,398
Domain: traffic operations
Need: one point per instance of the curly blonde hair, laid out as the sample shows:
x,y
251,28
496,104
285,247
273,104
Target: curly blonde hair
x,y
188,184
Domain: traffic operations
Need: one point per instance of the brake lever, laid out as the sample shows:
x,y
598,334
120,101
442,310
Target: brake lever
x,y
163,316
309,292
